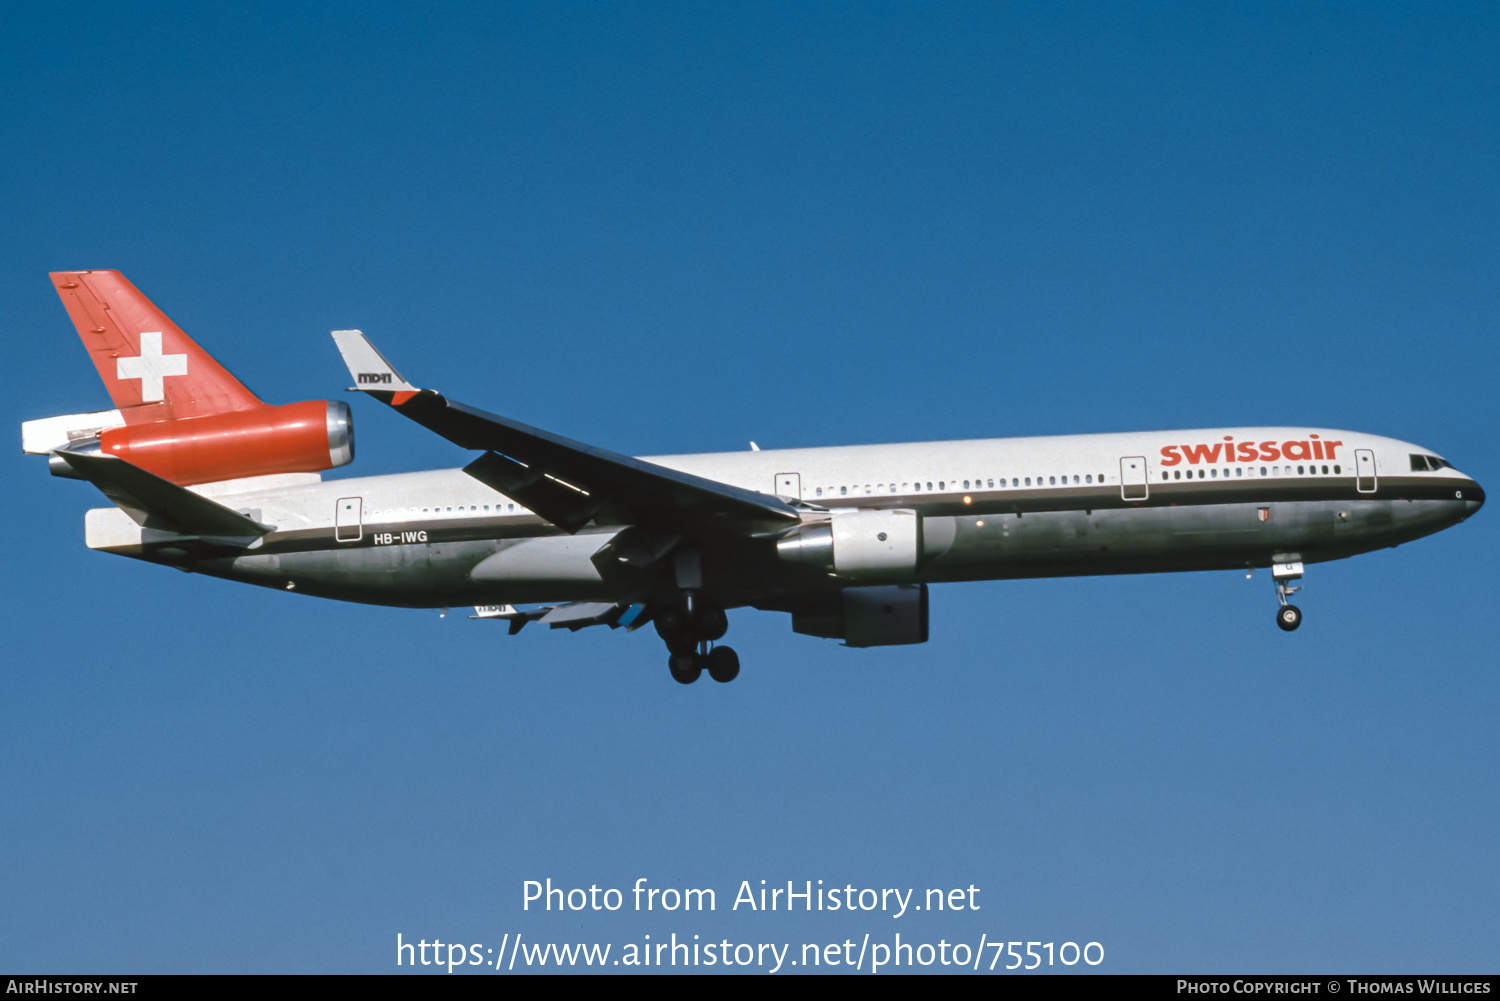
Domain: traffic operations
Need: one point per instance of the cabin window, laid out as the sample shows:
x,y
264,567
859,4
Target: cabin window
x,y
1028,481
1335,470
1239,471
843,491
510,507
1262,470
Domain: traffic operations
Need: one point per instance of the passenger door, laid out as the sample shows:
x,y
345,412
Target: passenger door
x,y
348,525
1364,470
1133,484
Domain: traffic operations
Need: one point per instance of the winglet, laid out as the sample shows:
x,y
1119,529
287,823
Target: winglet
x,y
371,372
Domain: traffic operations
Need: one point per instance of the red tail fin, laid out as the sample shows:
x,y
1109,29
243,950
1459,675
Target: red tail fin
x,y
153,371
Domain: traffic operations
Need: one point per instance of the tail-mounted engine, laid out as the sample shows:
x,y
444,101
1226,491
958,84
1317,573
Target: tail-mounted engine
x,y
295,438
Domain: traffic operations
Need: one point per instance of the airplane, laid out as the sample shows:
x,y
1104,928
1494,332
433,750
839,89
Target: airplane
x,y
207,478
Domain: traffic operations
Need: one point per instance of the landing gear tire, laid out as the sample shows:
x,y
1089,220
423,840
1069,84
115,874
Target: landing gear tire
x,y
685,667
671,624
711,623
723,664
1289,617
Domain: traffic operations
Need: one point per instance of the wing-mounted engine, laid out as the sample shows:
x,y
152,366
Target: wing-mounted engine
x,y
305,437
866,616
857,543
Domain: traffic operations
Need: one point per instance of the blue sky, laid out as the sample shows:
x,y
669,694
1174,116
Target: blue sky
x,y
672,228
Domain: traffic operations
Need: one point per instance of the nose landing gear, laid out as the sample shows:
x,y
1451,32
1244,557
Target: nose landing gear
x,y
1288,616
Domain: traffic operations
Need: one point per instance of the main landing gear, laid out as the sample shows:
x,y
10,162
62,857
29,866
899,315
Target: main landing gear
x,y
689,634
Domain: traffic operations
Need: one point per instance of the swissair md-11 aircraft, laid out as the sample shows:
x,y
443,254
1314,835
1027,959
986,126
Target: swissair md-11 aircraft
x,y
207,478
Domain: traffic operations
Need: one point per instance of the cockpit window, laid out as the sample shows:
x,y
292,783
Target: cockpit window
x,y
1437,463
1418,464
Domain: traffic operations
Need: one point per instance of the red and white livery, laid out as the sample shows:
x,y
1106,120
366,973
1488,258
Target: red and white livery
x,y
206,477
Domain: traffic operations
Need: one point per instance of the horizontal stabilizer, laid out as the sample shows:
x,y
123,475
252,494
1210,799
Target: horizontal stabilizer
x,y
153,502
44,436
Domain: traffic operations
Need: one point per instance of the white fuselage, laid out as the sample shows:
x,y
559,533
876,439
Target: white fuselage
x,y
1007,507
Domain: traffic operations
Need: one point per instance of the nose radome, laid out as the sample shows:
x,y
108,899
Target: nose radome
x,y
1473,498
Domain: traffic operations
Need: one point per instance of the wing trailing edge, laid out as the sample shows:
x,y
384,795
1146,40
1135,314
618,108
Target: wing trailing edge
x,y
568,482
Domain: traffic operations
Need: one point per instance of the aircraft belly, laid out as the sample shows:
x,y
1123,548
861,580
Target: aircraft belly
x,y
1003,545
1163,539
419,575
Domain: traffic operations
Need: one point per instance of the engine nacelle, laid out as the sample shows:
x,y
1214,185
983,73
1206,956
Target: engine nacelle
x,y
296,438
856,543
867,616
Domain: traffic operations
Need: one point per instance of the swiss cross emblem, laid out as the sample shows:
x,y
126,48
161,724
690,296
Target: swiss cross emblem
x,y
151,367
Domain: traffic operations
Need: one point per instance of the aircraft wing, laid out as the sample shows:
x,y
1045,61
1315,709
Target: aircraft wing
x,y
574,615
565,481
